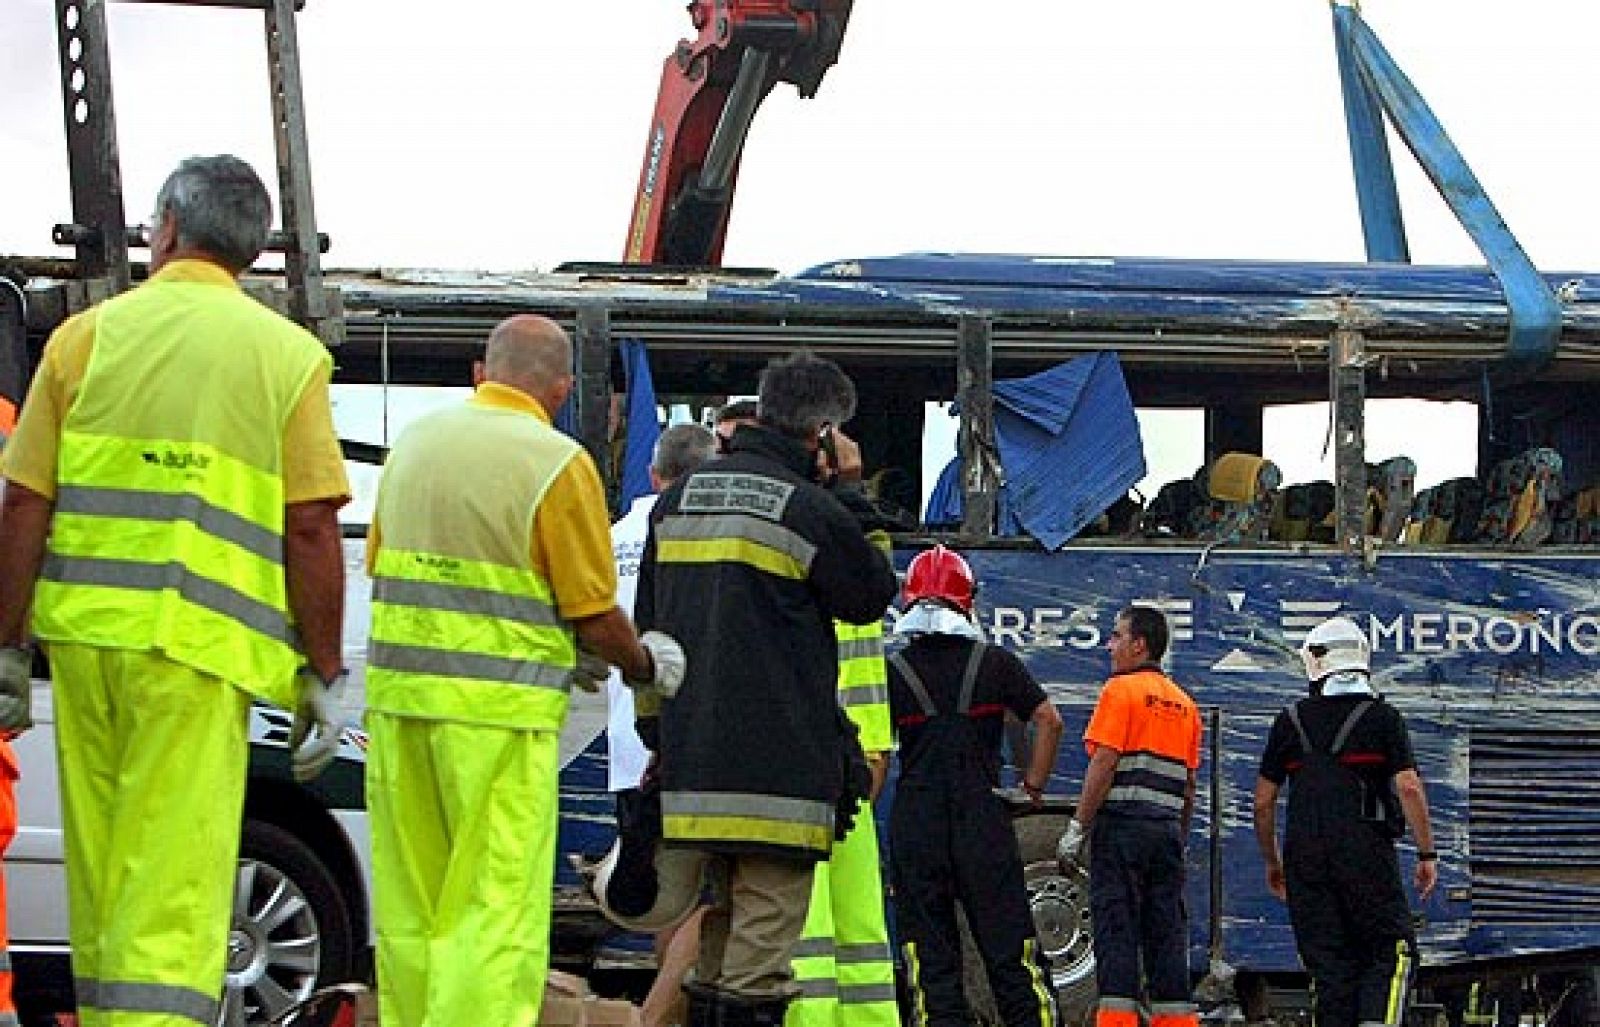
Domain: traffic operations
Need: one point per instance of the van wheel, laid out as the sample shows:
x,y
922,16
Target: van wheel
x,y
291,930
1060,905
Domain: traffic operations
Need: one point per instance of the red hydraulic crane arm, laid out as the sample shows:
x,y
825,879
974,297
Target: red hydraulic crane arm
x,y
710,89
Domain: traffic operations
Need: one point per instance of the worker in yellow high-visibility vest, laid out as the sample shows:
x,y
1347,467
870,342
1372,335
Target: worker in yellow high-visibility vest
x,y
843,963
490,555
177,450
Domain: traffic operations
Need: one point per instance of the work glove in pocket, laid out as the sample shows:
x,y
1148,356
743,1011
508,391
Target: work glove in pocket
x,y
857,780
16,689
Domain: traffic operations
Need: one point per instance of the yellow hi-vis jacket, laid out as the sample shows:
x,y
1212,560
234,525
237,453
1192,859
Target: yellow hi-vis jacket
x,y
168,527
864,676
464,627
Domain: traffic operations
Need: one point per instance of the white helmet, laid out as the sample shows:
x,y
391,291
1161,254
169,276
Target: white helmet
x,y
1335,646
625,883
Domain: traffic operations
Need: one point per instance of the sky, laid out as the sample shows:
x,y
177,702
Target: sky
x,y
508,134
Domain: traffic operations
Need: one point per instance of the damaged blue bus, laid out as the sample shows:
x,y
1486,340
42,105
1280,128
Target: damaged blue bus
x,y
1480,593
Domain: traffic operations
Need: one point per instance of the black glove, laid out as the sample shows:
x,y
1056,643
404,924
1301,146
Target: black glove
x,y
634,884
649,730
857,779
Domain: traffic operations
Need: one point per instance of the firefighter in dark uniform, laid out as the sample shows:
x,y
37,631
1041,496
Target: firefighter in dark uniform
x,y
1138,795
950,836
751,559
1354,785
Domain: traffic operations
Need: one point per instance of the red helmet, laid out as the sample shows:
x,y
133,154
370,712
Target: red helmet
x,y
940,573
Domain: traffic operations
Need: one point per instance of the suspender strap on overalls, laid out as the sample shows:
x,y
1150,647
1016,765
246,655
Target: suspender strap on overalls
x,y
969,681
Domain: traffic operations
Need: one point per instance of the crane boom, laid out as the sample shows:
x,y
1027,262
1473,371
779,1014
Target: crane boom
x,y
710,89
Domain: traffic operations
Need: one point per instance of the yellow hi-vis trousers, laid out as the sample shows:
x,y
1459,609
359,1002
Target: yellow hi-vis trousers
x,y
843,963
463,822
152,757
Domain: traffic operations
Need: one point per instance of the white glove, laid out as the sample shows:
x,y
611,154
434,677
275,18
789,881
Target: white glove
x,y
591,672
1069,850
667,657
16,689
314,738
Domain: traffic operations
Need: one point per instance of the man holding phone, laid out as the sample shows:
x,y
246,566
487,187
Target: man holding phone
x,y
750,559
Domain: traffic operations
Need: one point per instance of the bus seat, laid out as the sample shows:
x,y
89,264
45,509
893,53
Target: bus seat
x,y
1120,519
1458,506
1302,511
1577,518
1169,513
1417,522
1239,498
1391,486
1520,497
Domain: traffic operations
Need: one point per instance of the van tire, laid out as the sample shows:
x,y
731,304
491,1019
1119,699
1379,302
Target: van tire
x,y
1060,905
313,944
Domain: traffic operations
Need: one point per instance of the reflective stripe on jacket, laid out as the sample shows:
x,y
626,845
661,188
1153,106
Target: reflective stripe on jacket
x,y
864,683
463,627
748,566
168,525
1155,727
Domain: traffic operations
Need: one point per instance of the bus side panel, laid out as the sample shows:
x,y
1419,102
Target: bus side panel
x,y
1485,653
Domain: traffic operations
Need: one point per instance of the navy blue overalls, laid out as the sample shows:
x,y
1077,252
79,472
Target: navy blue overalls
x,y
951,841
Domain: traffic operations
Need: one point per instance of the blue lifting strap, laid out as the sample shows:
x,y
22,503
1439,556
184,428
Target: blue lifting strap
x,y
1372,81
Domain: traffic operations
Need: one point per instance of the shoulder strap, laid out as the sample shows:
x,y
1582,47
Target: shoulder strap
x,y
1348,726
969,679
1293,712
1339,739
913,682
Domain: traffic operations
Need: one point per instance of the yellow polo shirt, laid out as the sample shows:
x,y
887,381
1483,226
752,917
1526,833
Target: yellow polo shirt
x,y
313,466
571,544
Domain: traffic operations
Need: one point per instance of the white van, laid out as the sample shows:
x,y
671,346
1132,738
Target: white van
x,y
301,914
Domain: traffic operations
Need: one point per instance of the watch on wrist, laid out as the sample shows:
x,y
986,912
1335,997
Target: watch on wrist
x,y
1426,855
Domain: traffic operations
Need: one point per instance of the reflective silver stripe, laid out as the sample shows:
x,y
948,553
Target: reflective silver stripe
x,y
1139,793
718,527
140,997
431,595
736,492
858,994
818,987
864,695
157,577
807,948
1149,761
864,952
9,1019
1172,1008
741,804
5,961
449,663
167,507
1115,1004
859,648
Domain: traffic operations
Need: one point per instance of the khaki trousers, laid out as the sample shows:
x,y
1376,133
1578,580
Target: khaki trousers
x,y
758,910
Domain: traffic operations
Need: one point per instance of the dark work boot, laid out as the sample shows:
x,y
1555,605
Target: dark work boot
x,y
751,1010
704,1006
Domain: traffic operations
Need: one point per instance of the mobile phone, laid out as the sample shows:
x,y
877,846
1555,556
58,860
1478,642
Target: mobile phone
x,y
825,443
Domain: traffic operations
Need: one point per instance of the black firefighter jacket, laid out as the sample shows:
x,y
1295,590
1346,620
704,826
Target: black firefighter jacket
x,y
747,565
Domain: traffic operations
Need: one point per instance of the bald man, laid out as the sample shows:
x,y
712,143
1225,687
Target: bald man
x,y
490,556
